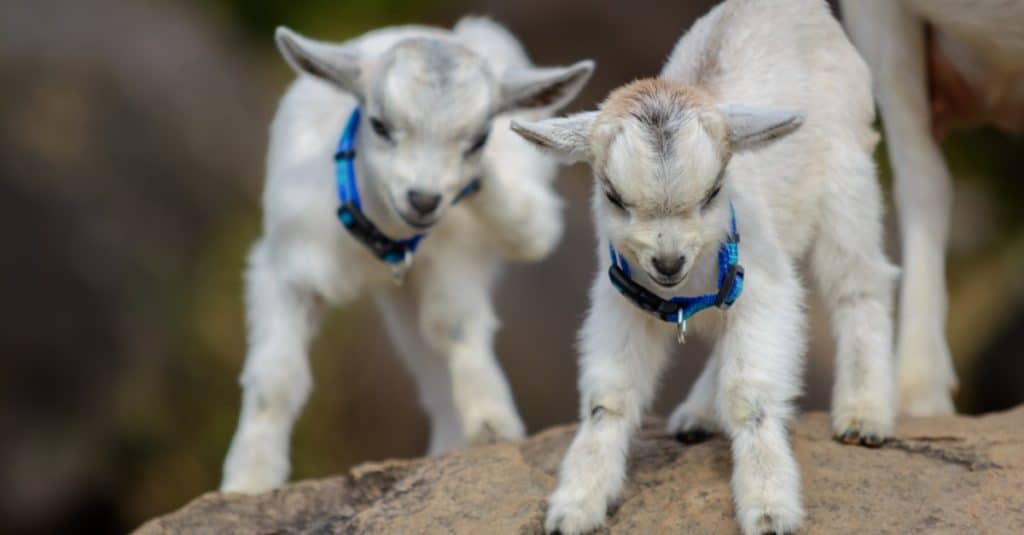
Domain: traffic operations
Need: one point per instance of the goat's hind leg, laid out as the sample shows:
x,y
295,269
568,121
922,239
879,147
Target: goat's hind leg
x,y
428,369
857,284
458,321
694,420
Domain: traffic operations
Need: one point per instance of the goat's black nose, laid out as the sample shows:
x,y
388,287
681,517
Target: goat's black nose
x,y
423,202
669,266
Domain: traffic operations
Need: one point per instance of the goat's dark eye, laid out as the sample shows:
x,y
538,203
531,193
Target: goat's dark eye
x,y
477,144
712,196
614,199
380,128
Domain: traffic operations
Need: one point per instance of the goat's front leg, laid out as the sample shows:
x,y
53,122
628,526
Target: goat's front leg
x,y
516,203
457,319
623,355
761,350
276,379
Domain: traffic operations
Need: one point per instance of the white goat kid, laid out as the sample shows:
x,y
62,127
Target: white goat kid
x,y
672,157
983,40
428,98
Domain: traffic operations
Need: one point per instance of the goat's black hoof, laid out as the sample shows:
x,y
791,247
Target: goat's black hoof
x,y
693,436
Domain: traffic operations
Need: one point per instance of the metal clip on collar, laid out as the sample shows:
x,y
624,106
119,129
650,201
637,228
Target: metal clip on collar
x,y
400,269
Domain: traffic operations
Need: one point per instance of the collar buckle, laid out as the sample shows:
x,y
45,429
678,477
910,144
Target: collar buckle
x,y
733,276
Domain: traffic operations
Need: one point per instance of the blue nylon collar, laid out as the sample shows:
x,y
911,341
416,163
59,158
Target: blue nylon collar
x,y
679,309
350,211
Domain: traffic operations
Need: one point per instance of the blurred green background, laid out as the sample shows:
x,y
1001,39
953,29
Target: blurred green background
x,y
132,138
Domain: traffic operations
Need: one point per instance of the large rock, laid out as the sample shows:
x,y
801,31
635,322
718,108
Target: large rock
x,y
940,475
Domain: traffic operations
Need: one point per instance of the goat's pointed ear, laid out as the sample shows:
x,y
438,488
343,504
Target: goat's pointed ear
x,y
752,128
566,137
334,63
547,88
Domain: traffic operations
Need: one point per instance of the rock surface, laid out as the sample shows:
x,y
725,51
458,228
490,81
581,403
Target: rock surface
x,y
938,475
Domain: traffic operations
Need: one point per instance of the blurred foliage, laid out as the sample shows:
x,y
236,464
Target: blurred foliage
x,y
991,160
327,19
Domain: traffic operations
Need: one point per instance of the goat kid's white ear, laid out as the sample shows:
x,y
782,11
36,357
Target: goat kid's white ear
x,y
752,128
335,63
547,88
568,138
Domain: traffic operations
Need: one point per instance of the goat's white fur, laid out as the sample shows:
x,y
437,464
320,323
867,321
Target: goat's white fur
x,y
439,90
797,191
984,40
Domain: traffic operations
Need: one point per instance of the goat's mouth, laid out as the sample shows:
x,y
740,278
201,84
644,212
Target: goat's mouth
x,y
415,221
667,282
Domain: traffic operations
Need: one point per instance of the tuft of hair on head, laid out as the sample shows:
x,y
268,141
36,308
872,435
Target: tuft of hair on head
x,y
660,106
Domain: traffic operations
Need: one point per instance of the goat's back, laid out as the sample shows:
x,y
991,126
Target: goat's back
x,y
788,54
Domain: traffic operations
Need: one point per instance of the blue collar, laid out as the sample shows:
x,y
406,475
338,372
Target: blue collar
x,y
679,309
397,253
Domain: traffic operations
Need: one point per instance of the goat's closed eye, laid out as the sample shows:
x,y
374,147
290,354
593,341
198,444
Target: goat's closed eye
x,y
614,199
380,129
711,196
478,144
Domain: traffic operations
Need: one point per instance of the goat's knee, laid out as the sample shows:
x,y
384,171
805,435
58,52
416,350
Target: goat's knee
x,y
276,387
462,331
743,407
445,324
604,405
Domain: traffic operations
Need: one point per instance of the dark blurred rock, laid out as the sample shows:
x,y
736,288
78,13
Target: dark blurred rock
x,y
131,135
948,475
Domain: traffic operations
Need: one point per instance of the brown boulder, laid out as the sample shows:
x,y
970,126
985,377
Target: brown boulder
x,y
939,475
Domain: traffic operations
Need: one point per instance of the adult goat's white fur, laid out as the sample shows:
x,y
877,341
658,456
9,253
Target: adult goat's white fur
x,y
428,98
984,41
768,99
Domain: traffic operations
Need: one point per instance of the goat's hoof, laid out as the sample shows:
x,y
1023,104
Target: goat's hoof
x,y
868,440
851,436
490,423
775,524
582,514
693,436
872,441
